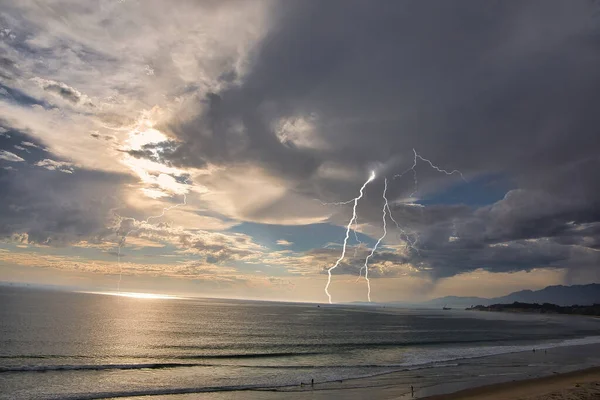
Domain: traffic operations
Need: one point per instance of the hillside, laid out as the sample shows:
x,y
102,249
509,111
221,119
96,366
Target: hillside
x,y
559,295
545,308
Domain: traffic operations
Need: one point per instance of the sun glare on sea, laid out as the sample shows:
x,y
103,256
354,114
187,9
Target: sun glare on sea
x,y
136,295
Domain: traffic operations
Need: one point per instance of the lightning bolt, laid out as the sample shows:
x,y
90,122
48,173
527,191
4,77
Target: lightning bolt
x,y
417,157
348,228
437,168
338,203
355,225
366,266
410,238
123,238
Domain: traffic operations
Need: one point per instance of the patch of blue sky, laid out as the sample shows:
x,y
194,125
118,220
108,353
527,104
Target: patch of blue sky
x,y
479,192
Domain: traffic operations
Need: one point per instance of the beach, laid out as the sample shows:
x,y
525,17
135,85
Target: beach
x,y
577,385
505,379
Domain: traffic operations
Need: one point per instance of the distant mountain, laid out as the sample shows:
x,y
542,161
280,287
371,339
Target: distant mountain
x,y
560,295
545,308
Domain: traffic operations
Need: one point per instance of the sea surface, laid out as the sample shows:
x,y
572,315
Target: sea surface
x,y
65,345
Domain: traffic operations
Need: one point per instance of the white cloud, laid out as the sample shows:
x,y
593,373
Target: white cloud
x,y
29,144
8,156
53,165
299,131
252,194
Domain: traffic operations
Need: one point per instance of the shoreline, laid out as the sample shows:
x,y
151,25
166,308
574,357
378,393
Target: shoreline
x,y
583,384
586,381
500,377
504,377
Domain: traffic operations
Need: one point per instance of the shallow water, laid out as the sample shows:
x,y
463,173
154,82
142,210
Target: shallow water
x,y
76,345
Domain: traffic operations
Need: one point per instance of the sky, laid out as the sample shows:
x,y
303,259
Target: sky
x,y
200,147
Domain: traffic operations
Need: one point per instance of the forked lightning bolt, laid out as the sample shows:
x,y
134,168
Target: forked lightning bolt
x,y
348,228
435,167
412,242
354,229
352,224
366,266
417,157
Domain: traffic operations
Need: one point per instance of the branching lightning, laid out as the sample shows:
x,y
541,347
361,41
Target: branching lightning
x,y
348,228
437,168
338,203
355,225
366,266
358,242
417,157
410,238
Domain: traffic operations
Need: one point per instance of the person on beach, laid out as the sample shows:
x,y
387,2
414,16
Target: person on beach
x,y
412,391
312,382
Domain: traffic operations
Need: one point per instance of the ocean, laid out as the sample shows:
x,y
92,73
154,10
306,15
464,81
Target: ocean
x,y
66,345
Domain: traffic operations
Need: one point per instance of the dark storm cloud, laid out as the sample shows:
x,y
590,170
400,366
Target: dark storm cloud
x,y
8,68
45,205
450,80
56,208
165,152
479,86
231,129
484,87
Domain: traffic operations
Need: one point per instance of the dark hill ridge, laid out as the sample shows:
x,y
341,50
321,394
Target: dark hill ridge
x,y
546,308
559,295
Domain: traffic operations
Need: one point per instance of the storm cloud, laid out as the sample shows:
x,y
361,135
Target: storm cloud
x,y
285,105
486,88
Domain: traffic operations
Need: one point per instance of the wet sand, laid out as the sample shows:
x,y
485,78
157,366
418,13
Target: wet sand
x,y
578,385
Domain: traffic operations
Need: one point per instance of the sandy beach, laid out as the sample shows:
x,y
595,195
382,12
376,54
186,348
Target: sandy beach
x,y
578,385
572,374
568,384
